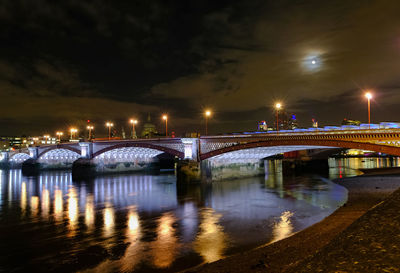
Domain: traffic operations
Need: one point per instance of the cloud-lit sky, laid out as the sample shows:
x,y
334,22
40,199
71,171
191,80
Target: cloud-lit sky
x,y
63,62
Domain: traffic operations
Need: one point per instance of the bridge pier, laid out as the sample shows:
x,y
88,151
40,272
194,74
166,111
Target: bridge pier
x,y
4,160
31,166
188,171
215,170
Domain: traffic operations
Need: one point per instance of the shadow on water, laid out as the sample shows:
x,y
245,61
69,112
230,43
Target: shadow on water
x,y
148,223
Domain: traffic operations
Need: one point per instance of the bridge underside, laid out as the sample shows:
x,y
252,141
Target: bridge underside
x,y
127,154
245,162
126,159
17,159
261,152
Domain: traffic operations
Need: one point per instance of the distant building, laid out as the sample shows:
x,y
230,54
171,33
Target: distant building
x,y
262,126
149,129
351,122
285,121
292,123
4,144
192,134
314,123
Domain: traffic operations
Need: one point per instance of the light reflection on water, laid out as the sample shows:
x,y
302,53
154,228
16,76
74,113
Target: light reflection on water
x,y
284,227
147,223
211,240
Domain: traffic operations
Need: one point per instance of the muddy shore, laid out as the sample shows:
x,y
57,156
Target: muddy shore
x,y
337,243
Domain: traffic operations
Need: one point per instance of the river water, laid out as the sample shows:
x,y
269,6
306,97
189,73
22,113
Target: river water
x,y
146,223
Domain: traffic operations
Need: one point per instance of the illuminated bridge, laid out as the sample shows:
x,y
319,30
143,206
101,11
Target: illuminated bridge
x,y
126,155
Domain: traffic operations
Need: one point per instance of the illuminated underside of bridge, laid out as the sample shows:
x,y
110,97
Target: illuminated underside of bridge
x,y
19,158
58,156
261,152
127,154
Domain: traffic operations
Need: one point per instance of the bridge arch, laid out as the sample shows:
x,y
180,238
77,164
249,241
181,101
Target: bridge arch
x,y
148,146
305,144
65,156
19,157
58,147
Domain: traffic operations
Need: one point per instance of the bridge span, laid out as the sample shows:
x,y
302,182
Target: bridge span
x,y
137,154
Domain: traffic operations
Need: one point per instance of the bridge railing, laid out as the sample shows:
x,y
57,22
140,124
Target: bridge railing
x,y
308,133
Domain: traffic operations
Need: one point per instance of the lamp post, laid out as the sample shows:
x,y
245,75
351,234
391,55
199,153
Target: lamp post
x,y
133,122
109,125
46,139
278,106
207,114
165,117
90,128
368,95
73,131
59,134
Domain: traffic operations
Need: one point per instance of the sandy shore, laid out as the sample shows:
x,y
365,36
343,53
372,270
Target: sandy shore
x,y
304,251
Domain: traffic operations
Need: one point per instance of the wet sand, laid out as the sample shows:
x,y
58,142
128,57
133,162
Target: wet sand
x,y
325,246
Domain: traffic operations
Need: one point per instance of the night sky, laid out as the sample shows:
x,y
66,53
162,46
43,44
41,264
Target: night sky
x,y
63,62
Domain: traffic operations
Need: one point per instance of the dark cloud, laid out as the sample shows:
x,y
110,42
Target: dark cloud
x,y
71,60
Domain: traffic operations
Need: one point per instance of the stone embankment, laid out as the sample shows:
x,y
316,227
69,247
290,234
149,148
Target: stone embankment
x,y
361,236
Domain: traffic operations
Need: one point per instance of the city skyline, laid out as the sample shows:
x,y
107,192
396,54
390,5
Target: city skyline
x,y
62,64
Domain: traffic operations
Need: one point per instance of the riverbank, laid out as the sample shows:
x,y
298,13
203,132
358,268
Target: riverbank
x,y
361,236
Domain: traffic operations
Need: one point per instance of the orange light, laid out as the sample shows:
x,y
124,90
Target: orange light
x,y
368,95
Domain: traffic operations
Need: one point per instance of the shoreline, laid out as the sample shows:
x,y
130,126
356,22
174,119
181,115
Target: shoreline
x,y
296,252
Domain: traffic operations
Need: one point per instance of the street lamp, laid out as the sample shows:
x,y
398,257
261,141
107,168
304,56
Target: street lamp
x,y
207,114
165,117
134,122
46,138
73,131
90,128
59,134
368,95
109,125
278,106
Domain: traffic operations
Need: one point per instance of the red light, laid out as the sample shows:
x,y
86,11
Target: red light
x,y
88,120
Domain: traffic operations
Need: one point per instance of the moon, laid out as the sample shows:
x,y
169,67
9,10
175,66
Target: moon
x,y
312,62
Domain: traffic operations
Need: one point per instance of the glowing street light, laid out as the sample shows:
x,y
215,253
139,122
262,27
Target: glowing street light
x,y
59,134
368,95
109,125
207,114
73,131
133,122
90,128
278,106
165,117
46,138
